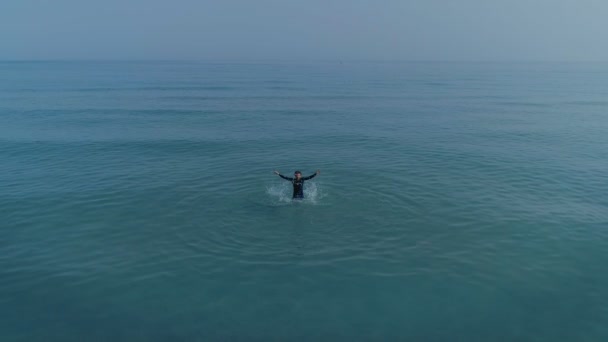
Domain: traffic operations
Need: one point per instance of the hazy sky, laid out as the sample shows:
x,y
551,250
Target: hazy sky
x,y
475,30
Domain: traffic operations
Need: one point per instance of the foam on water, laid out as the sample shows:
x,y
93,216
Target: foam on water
x,y
282,193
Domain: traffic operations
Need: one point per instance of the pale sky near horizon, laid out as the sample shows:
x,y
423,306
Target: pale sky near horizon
x,y
392,30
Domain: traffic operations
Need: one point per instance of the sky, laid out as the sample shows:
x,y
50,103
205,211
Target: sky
x,y
374,30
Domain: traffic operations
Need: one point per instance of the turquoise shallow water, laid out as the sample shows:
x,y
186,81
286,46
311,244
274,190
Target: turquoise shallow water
x,y
456,202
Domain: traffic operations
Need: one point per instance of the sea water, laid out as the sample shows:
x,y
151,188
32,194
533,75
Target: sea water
x,y
456,201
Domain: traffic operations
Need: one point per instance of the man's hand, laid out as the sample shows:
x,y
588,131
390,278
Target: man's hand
x,y
318,171
276,172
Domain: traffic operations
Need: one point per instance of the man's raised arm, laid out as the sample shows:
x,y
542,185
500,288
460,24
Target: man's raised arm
x,y
311,176
280,175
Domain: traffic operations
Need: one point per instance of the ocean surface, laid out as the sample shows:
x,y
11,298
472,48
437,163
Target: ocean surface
x,y
456,201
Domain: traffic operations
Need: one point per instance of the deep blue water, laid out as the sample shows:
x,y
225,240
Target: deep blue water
x,y
456,201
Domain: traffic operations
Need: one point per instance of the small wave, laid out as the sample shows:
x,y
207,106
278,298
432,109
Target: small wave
x,y
587,103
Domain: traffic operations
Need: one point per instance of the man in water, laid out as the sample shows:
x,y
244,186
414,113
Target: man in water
x,y
298,182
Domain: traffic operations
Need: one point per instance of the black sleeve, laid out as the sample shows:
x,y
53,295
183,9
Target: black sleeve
x,y
288,178
309,177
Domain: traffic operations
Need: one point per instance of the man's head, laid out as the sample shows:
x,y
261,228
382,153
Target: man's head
x,y
297,174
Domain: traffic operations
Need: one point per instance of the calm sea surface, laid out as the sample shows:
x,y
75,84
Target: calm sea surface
x,y
456,202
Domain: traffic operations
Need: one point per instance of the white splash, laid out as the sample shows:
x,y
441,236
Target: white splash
x,y
282,193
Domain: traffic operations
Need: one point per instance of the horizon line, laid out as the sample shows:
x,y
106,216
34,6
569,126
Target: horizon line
x,y
253,61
